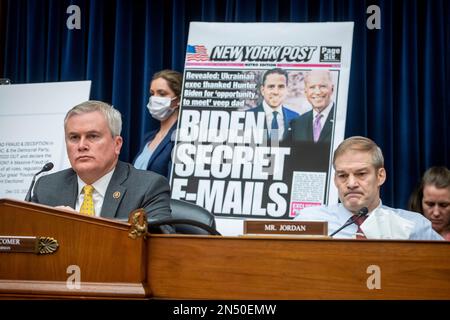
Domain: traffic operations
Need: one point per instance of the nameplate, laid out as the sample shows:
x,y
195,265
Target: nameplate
x,y
37,245
286,227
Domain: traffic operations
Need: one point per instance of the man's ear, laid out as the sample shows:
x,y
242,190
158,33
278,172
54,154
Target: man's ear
x,y
118,141
381,176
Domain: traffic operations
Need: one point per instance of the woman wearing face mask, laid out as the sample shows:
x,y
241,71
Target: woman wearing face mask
x,y
163,104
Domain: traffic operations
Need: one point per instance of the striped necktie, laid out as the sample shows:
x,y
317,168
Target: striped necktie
x,y
359,221
317,127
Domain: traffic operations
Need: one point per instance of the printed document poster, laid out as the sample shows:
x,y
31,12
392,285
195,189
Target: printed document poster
x,y
263,108
32,130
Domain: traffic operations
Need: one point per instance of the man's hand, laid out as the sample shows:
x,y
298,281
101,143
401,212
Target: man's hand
x,y
66,208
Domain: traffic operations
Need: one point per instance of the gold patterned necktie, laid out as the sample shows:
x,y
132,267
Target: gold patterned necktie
x,y
87,207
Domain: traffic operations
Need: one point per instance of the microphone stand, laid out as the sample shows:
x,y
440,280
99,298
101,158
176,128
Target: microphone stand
x,y
362,212
47,167
28,196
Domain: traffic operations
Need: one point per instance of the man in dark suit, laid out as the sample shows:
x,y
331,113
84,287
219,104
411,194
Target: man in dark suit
x,y
98,183
316,125
274,91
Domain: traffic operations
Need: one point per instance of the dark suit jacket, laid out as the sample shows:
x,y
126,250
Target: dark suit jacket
x,y
288,116
302,127
161,159
138,189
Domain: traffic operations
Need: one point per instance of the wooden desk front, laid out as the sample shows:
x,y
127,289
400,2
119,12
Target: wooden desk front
x,y
209,267
201,267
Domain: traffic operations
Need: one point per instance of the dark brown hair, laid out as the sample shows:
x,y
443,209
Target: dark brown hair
x,y
434,176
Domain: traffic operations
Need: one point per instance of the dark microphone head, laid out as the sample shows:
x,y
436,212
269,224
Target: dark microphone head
x,y
363,211
47,167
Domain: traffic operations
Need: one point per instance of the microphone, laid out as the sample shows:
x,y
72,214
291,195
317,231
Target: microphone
x,y
361,213
47,167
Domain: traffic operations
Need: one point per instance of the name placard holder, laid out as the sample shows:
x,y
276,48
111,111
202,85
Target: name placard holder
x,y
37,245
286,227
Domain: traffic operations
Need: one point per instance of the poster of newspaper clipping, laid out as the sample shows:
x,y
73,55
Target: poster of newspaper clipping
x,y
263,108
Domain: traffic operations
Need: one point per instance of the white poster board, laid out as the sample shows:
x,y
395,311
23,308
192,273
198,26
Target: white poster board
x,y
223,159
32,130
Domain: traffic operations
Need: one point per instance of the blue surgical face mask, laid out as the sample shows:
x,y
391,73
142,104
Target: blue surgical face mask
x,y
159,107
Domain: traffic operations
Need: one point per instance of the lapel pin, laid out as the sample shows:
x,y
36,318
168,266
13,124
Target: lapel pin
x,y
116,195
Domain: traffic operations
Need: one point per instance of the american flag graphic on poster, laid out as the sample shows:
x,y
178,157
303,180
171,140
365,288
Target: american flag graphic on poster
x,y
196,53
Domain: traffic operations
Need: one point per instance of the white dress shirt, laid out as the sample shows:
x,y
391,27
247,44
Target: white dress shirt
x,y
337,215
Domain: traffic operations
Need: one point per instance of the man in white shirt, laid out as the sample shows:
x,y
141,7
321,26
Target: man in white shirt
x,y
359,174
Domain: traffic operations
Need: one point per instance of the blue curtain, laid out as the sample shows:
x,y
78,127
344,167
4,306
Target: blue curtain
x,y
398,93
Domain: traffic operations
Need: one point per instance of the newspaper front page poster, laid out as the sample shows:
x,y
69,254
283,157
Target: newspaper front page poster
x,y
263,107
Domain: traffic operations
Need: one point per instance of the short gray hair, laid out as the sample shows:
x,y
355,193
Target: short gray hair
x,y
112,115
362,144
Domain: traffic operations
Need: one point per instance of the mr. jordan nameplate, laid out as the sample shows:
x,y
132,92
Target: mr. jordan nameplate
x,y
304,228
37,245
